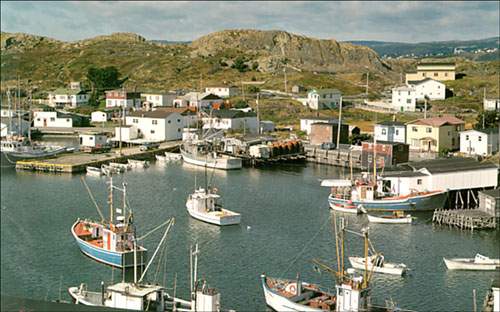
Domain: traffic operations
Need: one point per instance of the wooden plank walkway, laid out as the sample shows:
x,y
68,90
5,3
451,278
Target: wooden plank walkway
x,y
469,219
78,161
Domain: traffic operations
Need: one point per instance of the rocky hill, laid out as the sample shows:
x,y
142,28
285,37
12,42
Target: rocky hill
x,y
148,64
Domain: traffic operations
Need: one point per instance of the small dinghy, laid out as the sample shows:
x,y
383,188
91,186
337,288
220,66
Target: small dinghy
x,y
378,265
124,167
347,208
94,171
138,163
173,156
397,217
160,158
479,262
108,170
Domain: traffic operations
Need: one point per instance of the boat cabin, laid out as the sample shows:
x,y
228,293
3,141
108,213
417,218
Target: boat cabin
x,y
136,297
204,201
351,296
207,299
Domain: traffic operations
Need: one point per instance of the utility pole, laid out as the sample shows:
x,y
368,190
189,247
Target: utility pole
x,y
425,107
339,125
243,90
258,115
484,98
367,78
284,72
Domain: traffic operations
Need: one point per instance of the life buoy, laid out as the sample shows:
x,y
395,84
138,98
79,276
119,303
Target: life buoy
x,y
337,196
293,289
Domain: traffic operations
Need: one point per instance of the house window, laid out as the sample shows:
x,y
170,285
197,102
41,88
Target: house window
x,y
414,129
435,74
429,130
152,131
452,141
384,131
409,93
38,119
67,120
479,138
178,129
178,120
467,137
169,121
424,74
52,119
449,133
154,122
91,138
135,120
446,75
408,101
397,131
419,181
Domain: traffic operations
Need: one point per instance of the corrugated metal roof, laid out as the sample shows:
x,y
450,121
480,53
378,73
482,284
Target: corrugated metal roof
x,y
454,164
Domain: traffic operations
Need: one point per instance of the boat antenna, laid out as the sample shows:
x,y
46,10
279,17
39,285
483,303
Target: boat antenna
x,y
93,199
172,222
365,273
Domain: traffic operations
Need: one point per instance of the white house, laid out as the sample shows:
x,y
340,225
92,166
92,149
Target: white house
x,y
491,104
126,134
404,99
226,119
93,139
159,99
223,92
305,123
323,98
433,89
481,142
5,123
390,131
156,126
120,98
52,119
68,97
100,116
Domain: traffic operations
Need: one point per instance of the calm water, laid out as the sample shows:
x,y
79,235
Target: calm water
x,y
285,224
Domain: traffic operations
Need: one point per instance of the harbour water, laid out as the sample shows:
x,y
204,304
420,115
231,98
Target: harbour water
x,y
286,223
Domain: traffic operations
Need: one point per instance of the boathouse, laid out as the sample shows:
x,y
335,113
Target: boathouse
x,y
388,154
489,202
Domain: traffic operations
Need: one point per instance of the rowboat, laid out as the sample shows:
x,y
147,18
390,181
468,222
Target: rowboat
x,y
94,171
160,158
378,265
479,262
118,165
138,163
346,207
173,156
397,217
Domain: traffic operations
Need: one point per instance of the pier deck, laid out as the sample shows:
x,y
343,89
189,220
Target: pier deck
x,y
472,219
78,161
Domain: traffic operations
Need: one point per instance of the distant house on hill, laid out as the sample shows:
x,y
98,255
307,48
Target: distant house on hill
x,y
120,98
324,98
491,105
228,119
404,99
390,131
159,98
482,142
222,91
438,71
68,98
434,134
430,88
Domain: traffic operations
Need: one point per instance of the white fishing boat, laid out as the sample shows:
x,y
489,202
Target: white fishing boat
x,y
203,205
138,163
352,292
124,167
201,153
377,264
109,170
479,262
173,156
397,217
94,171
160,158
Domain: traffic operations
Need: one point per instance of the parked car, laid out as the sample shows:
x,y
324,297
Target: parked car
x,y
149,146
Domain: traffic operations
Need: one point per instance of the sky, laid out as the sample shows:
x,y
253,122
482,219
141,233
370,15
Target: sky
x,y
405,21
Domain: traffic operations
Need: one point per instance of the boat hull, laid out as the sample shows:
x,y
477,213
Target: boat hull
x,y
404,220
358,263
229,163
281,303
113,258
345,209
230,219
426,202
469,264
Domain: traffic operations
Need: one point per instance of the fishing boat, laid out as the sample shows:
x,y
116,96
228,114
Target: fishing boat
x,y
110,241
397,217
479,262
201,153
377,264
124,167
352,291
491,301
94,171
134,163
109,170
345,192
143,296
203,205
173,156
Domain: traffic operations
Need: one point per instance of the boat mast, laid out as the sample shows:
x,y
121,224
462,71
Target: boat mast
x,y
29,116
18,106
110,200
374,158
11,111
365,273
124,185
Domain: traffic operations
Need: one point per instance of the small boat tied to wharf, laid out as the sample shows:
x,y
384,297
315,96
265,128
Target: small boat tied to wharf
x,y
478,263
352,291
110,241
397,217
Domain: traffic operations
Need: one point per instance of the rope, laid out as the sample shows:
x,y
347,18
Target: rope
x,y
304,248
156,228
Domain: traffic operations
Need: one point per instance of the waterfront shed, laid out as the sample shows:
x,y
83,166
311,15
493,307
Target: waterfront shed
x,y
388,154
93,139
489,202
327,133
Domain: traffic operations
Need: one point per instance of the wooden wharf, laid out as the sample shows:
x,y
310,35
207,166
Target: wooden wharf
x,y
468,219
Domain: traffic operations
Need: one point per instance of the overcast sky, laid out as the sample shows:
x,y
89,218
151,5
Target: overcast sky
x,y
184,20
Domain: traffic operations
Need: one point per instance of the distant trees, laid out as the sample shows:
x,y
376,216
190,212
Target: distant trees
x,y
241,104
491,120
239,64
102,79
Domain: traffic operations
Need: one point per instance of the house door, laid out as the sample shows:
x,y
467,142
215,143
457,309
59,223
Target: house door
x,y
45,122
429,146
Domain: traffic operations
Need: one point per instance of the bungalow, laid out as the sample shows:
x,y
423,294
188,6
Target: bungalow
x,y
121,98
100,116
324,98
491,104
305,123
156,126
404,99
68,97
222,92
428,87
58,120
190,117
226,119
434,134
481,142
159,98
93,139
391,131
434,70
